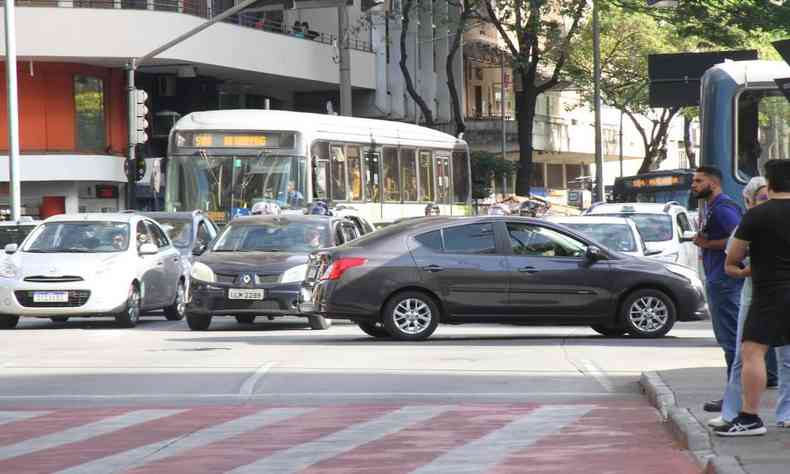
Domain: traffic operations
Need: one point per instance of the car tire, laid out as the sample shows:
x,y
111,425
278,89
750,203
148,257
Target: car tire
x,y
411,316
610,331
130,315
319,323
245,319
198,322
373,329
177,310
8,322
59,319
647,313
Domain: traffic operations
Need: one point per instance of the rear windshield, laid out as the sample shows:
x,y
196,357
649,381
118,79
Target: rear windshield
x,y
614,236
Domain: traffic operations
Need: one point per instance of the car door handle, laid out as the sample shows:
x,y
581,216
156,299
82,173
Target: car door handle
x,y
432,268
528,269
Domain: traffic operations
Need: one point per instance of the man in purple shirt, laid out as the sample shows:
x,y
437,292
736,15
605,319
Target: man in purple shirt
x,y
721,218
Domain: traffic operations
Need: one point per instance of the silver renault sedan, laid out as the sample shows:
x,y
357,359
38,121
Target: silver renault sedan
x,y
92,265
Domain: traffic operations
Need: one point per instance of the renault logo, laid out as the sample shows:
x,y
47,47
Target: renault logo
x,y
246,278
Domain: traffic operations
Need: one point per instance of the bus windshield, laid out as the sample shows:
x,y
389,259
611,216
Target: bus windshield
x,y
226,186
763,130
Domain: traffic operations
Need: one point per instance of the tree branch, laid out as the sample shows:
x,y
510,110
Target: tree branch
x,y
555,76
405,20
498,25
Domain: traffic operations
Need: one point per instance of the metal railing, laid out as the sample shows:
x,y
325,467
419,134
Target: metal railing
x,y
203,9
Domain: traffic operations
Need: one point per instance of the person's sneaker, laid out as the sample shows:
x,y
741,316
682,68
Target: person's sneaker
x,y
713,406
742,425
717,422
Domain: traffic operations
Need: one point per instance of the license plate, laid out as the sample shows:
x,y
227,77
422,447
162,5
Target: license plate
x,y
312,274
50,296
245,294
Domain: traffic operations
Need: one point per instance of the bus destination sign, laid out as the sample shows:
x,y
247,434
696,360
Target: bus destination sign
x,y
655,181
235,140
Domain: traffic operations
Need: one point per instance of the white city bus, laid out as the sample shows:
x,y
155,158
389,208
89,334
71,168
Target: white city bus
x,y
223,162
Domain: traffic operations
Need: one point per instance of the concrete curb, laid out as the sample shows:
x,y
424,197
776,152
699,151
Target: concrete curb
x,y
692,435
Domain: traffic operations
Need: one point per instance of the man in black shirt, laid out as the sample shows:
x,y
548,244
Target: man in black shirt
x,y
765,233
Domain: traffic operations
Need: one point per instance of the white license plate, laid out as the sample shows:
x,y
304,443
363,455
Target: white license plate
x,y
245,294
50,296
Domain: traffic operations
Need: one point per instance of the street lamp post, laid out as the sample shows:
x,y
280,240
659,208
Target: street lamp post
x,y
597,100
14,184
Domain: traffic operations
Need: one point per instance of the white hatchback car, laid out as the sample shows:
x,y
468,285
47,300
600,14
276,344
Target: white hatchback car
x,y
664,227
616,233
92,265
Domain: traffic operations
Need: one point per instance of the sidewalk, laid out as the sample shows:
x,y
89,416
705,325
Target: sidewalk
x,y
679,395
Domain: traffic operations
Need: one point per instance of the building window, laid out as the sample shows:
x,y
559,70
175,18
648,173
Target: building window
x,y
89,108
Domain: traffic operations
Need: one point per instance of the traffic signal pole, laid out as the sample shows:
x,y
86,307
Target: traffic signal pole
x,y
131,68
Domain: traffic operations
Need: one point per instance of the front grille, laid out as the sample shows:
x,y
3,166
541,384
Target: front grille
x,y
244,304
260,278
76,298
53,279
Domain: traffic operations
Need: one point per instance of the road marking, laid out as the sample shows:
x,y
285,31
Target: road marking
x,y
235,396
81,433
248,387
599,375
305,455
482,454
12,416
164,449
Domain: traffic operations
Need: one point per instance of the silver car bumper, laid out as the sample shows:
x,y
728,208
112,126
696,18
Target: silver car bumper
x,y
85,299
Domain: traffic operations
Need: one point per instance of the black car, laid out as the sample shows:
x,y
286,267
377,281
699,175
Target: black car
x,y
256,266
403,280
187,230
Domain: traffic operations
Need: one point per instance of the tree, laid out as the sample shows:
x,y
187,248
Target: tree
x,y
627,38
486,167
538,35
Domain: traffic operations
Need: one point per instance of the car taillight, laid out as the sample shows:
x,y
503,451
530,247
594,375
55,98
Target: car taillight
x,y
339,266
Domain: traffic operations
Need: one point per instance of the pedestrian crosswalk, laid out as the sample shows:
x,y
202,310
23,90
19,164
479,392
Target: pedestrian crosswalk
x,y
420,438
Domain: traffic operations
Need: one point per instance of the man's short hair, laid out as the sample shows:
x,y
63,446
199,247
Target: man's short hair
x,y
777,172
711,171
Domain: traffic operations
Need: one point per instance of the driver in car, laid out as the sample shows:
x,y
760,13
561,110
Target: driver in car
x,y
118,241
312,237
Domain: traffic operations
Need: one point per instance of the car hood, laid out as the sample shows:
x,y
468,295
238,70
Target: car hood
x,y
233,262
59,264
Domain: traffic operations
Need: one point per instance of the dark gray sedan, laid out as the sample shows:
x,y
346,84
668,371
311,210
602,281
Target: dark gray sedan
x,y
405,279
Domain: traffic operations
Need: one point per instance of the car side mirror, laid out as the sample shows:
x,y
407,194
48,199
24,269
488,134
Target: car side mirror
x,y
594,254
199,249
688,236
652,253
11,248
148,249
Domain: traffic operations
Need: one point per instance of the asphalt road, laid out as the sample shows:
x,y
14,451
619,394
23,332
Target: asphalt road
x,y
499,392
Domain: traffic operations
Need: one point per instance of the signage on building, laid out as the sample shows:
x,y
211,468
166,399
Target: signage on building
x,y
106,191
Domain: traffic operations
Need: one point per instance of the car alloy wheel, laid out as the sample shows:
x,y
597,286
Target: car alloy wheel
x,y
130,316
176,311
648,313
411,316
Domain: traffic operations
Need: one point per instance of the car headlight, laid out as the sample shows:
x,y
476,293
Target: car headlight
x,y
202,272
688,273
8,270
294,274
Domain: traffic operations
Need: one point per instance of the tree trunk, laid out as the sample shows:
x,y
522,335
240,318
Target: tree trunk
x,y
525,116
426,111
458,116
692,157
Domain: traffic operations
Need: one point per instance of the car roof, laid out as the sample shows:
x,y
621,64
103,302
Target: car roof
x,y
19,223
95,216
304,218
186,216
633,208
592,219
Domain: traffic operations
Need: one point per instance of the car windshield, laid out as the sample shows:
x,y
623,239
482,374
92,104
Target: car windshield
x,y
179,231
14,234
79,237
279,235
614,236
653,227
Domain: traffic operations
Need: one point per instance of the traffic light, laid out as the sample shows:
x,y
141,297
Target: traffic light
x,y
141,112
138,169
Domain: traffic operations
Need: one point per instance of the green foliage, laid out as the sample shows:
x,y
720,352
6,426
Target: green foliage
x,y
487,166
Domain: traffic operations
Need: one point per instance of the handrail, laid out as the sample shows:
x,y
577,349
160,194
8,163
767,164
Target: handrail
x,y
200,8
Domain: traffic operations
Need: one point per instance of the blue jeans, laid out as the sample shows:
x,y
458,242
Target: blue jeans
x,y
733,392
724,298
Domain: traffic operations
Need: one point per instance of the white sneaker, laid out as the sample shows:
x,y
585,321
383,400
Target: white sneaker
x,y
717,422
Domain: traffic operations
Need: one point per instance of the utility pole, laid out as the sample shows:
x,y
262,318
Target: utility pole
x,y
14,182
345,59
502,104
599,193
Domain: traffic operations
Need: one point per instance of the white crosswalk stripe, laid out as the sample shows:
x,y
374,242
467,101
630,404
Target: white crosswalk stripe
x,y
164,449
305,455
82,433
12,416
484,453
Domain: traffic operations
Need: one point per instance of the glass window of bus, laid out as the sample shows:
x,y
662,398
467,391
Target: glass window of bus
x,y
320,170
408,167
338,173
460,176
372,177
442,177
354,172
763,131
391,175
426,176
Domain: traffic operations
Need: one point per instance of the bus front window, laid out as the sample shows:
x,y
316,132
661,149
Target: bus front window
x,y
230,185
763,130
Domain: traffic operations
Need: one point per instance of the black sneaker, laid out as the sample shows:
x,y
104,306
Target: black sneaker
x,y
713,406
742,426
